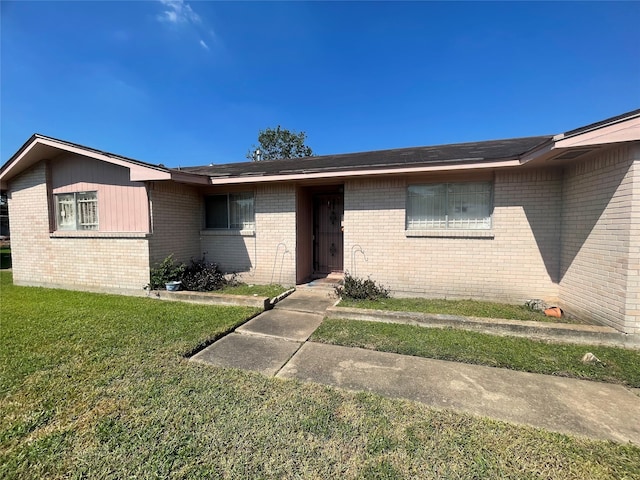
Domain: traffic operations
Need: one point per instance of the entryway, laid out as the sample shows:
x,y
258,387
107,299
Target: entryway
x,y
320,237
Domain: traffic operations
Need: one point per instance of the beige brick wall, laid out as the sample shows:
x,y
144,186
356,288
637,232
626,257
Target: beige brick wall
x,y
268,254
600,245
518,263
632,313
176,217
87,263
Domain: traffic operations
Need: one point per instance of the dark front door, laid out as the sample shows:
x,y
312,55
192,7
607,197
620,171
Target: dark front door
x,y
328,212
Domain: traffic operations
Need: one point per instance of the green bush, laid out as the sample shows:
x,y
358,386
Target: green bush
x,y
361,289
166,271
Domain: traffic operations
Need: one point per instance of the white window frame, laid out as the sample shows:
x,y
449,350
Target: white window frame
x,y
77,211
453,199
240,223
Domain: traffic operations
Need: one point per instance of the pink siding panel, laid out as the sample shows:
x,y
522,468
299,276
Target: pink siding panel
x,y
123,205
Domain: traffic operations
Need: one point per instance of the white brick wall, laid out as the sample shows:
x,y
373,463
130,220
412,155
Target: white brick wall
x,y
520,262
600,238
268,256
77,263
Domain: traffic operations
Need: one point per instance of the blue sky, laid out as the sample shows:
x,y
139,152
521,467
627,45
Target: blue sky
x,y
191,83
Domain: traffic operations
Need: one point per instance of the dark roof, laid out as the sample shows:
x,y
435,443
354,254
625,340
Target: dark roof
x,y
474,152
601,123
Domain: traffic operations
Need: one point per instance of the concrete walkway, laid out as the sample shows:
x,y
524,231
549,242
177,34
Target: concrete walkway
x,y
274,343
267,342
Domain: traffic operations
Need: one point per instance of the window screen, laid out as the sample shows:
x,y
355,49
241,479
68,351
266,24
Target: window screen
x,y
449,206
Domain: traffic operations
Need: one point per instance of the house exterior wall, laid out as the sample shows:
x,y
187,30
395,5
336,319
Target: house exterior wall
x,y
632,307
122,204
267,254
304,235
600,238
96,261
176,222
516,260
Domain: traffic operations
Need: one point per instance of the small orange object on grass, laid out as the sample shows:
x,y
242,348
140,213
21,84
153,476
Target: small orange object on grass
x,y
553,312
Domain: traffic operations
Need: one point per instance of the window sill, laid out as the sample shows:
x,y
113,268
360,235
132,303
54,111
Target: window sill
x,y
227,233
94,234
450,233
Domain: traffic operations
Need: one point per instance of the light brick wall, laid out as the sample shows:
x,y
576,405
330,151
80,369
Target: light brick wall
x,y
268,255
176,213
632,312
599,267
519,262
88,263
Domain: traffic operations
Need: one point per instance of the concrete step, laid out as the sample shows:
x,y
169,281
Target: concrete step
x,y
308,300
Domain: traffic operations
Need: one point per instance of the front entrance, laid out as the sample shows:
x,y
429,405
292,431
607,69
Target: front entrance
x,y
328,216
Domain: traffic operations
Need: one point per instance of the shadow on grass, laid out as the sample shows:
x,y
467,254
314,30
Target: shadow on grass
x,y
5,258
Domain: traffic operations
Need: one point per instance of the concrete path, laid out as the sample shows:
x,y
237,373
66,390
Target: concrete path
x,y
593,409
274,343
267,342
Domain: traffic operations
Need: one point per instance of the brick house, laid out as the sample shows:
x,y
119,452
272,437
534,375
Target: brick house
x,y
552,217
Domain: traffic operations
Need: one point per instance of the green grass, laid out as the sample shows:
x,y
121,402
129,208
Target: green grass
x,y
467,308
620,365
270,291
96,386
5,257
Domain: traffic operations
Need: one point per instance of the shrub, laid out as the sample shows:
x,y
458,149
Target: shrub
x,y
166,271
361,289
203,276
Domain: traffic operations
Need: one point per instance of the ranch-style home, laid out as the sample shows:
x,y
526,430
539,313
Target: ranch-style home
x,y
555,217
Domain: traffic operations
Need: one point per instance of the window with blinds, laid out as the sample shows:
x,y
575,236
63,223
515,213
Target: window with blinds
x,y
77,211
449,206
230,211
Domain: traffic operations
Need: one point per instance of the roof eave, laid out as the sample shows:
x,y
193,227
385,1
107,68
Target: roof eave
x,y
26,157
192,178
363,172
622,130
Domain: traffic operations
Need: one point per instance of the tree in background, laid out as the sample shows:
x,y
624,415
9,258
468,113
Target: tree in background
x,y
278,143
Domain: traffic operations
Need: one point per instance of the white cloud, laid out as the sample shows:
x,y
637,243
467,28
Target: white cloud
x,y
178,11
179,14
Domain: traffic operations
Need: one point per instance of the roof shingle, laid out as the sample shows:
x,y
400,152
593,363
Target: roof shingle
x,y
473,152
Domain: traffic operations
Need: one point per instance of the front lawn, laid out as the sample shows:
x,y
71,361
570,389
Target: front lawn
x,y
97,386
270,291
467,308
619,365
